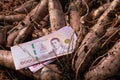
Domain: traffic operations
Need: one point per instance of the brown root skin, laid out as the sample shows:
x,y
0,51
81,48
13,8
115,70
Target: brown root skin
x,y
44,23
108,67
98,12
37,33
105,39
26,7
45,31
74,17
83,6
12,18
12,34
96,32
82,32
3,33
6,59
50,72
11,37
16,28
37,14
118,19
57,19
78,3
21,34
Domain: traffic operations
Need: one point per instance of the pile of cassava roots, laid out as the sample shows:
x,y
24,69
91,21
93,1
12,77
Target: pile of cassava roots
x,y
96,23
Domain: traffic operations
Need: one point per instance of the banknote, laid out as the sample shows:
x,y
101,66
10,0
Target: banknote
x,y
58,43
38,66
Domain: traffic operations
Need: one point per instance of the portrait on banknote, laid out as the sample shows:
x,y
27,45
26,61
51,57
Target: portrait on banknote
x,y
57,46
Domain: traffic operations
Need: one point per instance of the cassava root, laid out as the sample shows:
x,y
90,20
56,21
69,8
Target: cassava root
x,y
96,32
